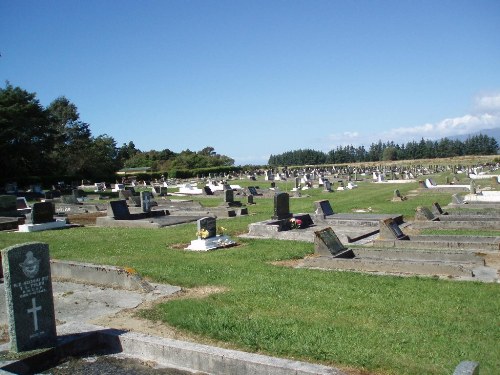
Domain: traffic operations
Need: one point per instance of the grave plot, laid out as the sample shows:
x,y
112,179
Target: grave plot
x,y
118,215
331,254
42,218
391,236
208,238
301,227
324,214
426,219
10,216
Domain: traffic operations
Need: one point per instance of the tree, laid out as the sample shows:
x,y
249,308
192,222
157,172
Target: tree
x,y
27,137
389,154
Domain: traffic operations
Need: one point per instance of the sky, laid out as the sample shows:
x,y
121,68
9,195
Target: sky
x,y
254,78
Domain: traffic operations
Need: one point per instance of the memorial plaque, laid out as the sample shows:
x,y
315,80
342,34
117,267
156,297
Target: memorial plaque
x,y
28,291
326,243
209,224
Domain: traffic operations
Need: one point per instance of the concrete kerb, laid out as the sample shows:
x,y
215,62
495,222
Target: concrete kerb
x,y
109,276
196,357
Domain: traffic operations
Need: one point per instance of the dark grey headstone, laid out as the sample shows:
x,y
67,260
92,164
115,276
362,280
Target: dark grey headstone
x,y
437,210
389,229
8,205
207,190
326,243
69,199
131,189
423,214
146,201
323,207
42,212
209,224
282,206
119,210
28,291
253,190
229,196
250,199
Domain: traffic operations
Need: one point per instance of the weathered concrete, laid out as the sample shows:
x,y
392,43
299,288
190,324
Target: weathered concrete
x,y
469,243
467,223
355,220
110,276
80,339
273,229
154,223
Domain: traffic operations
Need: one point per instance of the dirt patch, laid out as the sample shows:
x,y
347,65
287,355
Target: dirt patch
x,y
85,219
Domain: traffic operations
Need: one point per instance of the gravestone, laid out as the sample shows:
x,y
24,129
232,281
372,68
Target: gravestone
x,y
42,212
389,229
457,199
125,194
437,210
397,197
207,190
146,201
250,199
118,210
253,191
327,185
228,196
326,243
281,206
69,199
424,214
28,292
323,207
8,205
21,203
209,224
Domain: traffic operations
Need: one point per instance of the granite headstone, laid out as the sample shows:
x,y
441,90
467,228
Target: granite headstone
x,y
28,290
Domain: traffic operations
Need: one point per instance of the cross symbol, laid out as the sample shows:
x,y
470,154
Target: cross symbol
x,y
34,310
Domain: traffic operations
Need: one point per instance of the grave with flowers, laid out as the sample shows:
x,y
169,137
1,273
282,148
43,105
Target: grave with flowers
x,y
210,236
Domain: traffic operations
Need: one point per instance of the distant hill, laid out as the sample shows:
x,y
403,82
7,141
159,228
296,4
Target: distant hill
x,y
495,133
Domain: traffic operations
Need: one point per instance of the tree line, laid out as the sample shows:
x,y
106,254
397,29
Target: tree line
x,y
53,143
389,151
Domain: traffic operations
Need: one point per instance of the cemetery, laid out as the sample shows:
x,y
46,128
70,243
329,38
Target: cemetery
x,y
323,261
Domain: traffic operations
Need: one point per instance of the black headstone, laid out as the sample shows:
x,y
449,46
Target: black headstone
x,y
42,212
281,206
323,207
118,210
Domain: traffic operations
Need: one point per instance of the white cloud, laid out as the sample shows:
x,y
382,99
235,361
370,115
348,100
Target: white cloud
x,y
488,103
486,115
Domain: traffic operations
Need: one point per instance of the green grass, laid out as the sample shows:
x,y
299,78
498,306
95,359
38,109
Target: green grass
x,y
381,324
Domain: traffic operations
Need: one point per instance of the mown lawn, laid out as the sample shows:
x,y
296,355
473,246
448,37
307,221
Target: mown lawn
x,y
381,324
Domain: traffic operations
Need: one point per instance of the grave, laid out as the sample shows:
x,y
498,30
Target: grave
x,y
391,236
426,219
230,204
30,305
397,197
207,236
119,215
42,218
22,206
324,214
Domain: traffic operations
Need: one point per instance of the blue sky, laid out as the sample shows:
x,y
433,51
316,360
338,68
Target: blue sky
x,y
254,78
